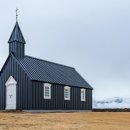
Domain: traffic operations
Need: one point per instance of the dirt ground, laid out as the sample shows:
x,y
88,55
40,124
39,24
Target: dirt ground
x,y
65,121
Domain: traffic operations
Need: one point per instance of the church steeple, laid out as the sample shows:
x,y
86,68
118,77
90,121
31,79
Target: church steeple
x,y
17,42
16,35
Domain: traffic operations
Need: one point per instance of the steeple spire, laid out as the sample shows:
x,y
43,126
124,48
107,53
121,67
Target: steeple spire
x,y
17,42
16,14
16,35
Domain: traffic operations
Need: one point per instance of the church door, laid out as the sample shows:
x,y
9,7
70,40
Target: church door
x,y
11,93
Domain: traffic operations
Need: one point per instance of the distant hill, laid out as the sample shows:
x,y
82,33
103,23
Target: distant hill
x,y
116,102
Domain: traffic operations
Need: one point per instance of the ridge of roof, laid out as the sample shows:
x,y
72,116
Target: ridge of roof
x,y
49,62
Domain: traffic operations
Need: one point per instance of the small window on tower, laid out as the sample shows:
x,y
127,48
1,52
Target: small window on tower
x,y
83,95
47,91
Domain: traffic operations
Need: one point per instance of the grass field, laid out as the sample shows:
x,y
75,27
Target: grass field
x,y
65,121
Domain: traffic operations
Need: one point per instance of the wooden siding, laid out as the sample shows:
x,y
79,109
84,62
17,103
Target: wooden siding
x,y
23,84
30,94
17,49
57,101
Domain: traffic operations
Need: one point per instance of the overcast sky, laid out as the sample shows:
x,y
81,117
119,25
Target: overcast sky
x,y
91,35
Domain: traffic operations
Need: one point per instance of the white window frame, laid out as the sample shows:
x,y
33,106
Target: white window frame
x,y
49,86
83,91
68,89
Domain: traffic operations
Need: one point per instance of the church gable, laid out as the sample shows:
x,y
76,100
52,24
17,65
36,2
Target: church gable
x,y
11,68
13,73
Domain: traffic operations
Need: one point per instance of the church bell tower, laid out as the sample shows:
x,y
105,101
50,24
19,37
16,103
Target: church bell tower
x,y
16,41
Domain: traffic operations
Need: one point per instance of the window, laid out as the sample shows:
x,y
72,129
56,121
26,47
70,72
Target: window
x,y
66,93
83,93
47,91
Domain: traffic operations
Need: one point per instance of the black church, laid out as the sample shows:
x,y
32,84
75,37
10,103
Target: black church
x,y
29,83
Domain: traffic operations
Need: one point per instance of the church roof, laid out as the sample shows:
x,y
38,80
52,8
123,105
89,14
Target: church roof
x,y
46,71
16,35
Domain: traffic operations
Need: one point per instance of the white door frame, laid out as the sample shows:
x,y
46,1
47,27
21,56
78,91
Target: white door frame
x,y
11,89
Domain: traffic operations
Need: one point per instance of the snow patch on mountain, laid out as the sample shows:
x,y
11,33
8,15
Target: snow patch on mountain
x,y
116,102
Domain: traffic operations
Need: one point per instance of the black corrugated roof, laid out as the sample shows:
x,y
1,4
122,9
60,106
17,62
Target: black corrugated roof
x,y
16,35
47,71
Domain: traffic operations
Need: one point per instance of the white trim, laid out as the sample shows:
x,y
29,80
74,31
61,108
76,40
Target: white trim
x,y
11,93
10,81
49,94
68,89
83,98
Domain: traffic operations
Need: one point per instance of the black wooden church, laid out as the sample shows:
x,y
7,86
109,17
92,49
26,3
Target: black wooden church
x,y
28,83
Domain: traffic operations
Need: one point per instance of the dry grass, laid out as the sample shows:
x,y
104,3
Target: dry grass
x,y
65,121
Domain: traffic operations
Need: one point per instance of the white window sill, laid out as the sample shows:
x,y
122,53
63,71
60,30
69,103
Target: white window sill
x,y
83,100
47,97
67,99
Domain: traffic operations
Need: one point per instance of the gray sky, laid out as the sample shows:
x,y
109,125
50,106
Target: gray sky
x,y
91,35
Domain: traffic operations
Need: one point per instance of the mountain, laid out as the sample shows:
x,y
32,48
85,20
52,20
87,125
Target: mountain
x,y
116,102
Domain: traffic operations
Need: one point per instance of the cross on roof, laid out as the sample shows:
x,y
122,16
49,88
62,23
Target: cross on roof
x,y
16,14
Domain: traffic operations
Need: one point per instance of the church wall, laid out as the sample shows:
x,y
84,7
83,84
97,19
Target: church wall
x,y
0,93
30,94
11,68
57,101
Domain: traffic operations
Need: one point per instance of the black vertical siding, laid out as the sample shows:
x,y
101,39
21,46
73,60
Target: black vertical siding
x,y
30,94
17,49
24,96
0,92
57,101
